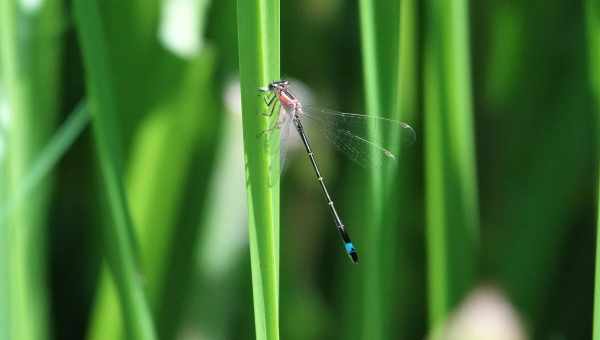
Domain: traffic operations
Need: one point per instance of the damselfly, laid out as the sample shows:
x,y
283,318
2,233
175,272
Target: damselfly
x,y
337,127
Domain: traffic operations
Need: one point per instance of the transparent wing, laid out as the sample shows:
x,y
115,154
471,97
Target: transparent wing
x,y
348,133
287,142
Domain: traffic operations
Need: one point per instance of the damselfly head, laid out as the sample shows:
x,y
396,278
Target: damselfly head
x,y
279,85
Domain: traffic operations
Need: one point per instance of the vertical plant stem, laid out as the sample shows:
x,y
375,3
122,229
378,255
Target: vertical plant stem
x,y
372,326
258,34
30,64
383,65
166,140
119,243
406,94
4,264
164,143
372,302
408,219
596,317
451,194
47,159
593,31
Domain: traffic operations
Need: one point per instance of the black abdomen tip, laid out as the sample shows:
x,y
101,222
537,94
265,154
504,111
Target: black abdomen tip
x,y
354,257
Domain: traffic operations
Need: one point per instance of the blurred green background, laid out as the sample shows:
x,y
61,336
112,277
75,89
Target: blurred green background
x,y
167,70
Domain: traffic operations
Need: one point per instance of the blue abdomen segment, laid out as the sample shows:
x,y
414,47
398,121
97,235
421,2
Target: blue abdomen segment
x,y
351,251
350,248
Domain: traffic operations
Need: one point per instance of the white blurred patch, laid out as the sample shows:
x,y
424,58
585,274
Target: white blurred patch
x,y
30,6
233,98
486,314
189,333
180,26
302,91
226,235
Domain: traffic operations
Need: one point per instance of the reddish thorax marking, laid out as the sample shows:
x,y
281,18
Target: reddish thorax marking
x,y
287,99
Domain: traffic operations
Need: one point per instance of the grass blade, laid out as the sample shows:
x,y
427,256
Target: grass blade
x,y
408,211
451,191
119,245
593,30
373,308
30,54
387,46
49,156
258,39
167,139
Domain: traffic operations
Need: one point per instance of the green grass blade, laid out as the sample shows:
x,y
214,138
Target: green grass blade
x,y
596,317
49,156
451,192
373,303
369,51
410,279
30,51
167,139
119,247
258,39
593,31
387,46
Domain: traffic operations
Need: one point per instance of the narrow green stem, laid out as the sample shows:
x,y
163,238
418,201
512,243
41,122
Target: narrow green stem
x,y
369,51
258,34
593,28
383,64
451,194
72,128
166,141
372,315
596,317
30,67
405,210
118,245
